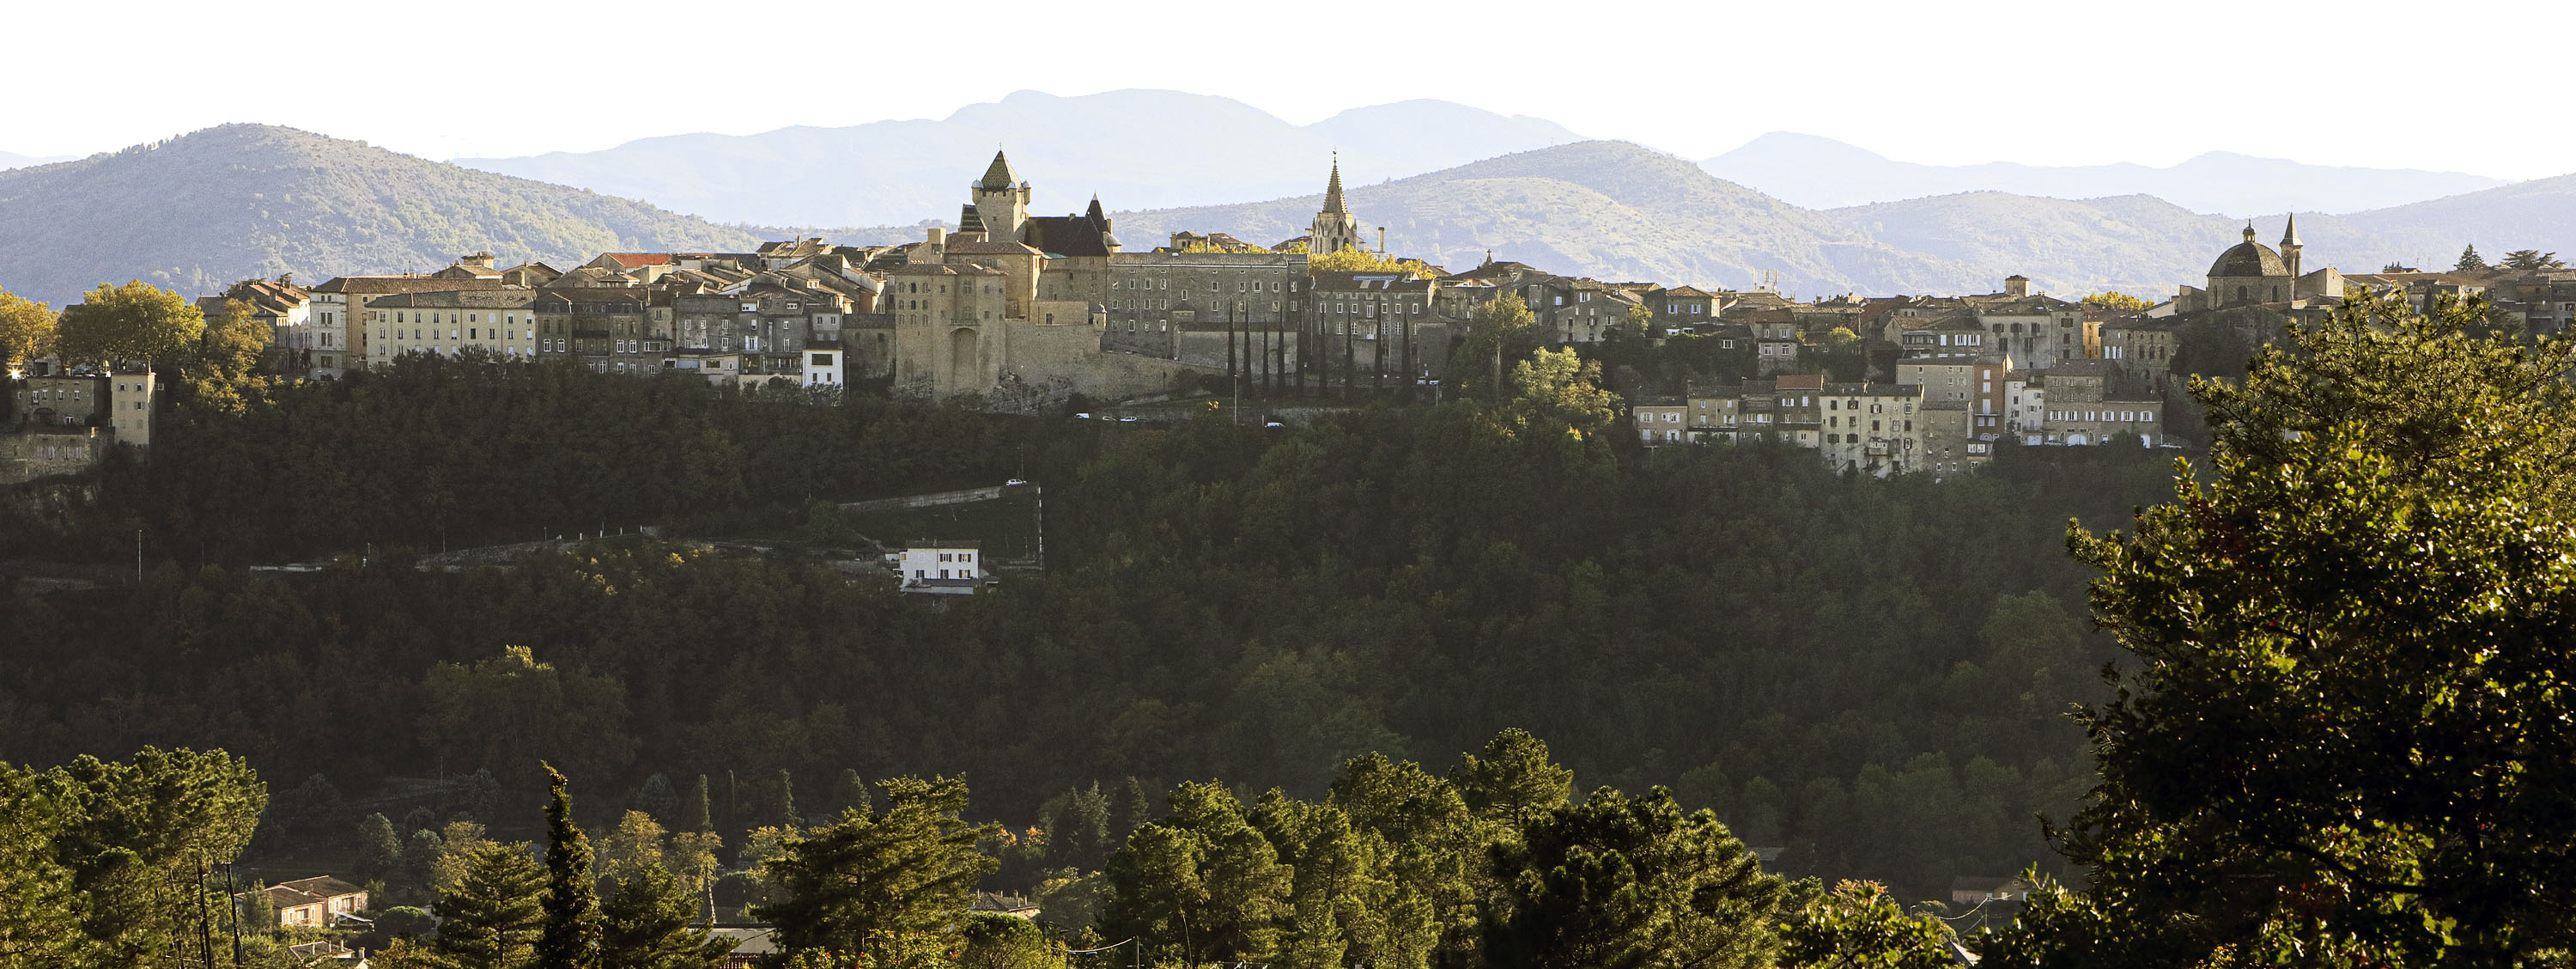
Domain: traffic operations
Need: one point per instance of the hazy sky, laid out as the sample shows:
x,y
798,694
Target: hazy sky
x,y
2056,82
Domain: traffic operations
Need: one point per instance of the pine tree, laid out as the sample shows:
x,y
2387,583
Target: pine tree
x,y
571,936
645,925
495,913
907,871
2470,260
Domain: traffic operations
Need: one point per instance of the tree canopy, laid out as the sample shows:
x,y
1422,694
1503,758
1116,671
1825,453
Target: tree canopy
x,y
134,322
2347,734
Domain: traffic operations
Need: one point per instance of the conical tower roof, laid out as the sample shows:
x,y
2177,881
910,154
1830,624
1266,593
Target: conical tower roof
x,y
968,219
1000,174
1333,189
2290,236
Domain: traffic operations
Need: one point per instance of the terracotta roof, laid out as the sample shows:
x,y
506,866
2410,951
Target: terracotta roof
x,y
460,299
375,285
631,260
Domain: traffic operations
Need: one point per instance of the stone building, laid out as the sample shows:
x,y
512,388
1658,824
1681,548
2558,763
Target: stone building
x,y
2252,274
1181,306
1373,326
498,321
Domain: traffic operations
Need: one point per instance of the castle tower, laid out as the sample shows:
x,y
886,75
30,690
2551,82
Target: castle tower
x,y
1335,229
2290,245
1001,201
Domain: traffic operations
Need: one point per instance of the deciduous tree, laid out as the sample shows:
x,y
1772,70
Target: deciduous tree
x,y
134,322
2347,733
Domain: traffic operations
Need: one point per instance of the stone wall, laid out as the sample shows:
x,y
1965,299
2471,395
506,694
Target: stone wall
x,y
28,456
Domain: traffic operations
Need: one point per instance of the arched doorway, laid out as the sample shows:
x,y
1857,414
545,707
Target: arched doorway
x,y
963,363
2074,439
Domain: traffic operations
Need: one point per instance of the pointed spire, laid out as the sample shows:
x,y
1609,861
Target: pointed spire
x,y
999,176
1094,212
2290,236
1333,189
2249,230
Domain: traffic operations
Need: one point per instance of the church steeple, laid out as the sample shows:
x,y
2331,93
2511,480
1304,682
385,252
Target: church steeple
x,y
1335,228
2290,245
1333,189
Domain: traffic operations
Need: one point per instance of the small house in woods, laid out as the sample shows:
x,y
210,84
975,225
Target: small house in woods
x,y
315,901
1978,891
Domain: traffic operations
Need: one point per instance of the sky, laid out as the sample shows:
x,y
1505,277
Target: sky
x,y
2046,83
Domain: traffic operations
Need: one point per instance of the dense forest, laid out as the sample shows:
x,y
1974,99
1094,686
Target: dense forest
x,y
1869,676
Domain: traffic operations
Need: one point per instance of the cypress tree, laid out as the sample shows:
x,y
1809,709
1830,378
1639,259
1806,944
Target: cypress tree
x,y
646,925
570,939
787,816
698,817
2470,260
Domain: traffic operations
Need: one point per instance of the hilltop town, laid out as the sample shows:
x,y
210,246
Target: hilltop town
x,y
1038,314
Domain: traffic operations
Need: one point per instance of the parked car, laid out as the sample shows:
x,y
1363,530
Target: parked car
x,y
1084,416
1014,482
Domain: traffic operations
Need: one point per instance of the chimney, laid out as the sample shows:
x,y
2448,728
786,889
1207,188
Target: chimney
x,y
1381,240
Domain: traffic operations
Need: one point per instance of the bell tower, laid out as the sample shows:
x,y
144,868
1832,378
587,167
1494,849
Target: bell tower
x,y
1335,228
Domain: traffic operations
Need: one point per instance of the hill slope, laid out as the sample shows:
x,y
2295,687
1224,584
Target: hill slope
x,y
1139,149
241,201
1607,209
2538,214
1825,173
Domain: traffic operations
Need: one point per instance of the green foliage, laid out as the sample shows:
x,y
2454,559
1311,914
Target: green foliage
x,y
2525,260
1365,261
380,852
645,925
997,941
903,872
26,328
130,323
1201,882
2469,260
1514,781
570,936
1859,924
40,913
2114,299
511,710
2347,737
1617,882
1558,389
493,915
1501,331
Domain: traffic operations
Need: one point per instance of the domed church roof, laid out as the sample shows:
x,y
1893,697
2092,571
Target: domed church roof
x,y
2249,258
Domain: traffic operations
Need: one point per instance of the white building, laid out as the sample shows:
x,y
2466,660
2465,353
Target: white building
x,y
941,567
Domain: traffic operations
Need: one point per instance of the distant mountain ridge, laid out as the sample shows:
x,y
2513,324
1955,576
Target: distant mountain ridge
x,y
1607,209
1134,148
1824,173
9,160
241,201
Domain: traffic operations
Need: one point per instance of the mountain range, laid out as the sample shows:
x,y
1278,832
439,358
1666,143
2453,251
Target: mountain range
x,y
1824,173
9,160
239,201
242,201
1140,148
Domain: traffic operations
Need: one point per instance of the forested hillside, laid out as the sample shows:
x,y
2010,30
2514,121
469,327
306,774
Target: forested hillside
x,y
1867,674
241,201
